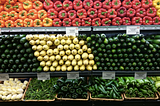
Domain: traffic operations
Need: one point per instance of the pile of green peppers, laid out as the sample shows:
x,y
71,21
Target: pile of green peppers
x,y
41,90
71,88
103,88
141,88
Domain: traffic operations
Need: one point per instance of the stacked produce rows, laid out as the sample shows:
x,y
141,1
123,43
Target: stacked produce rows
x,y
62,52
98,87
17,55
122,52
40,13
57,52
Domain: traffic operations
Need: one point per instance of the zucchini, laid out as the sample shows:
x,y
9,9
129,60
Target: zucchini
x,y
125,55
156,41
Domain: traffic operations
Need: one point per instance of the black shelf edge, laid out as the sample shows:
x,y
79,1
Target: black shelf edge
x,y
81,73
52,74
126,73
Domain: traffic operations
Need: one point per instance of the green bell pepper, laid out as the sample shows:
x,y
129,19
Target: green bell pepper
x,y
75,83
74,95
79,91
68,95
60,94
84,95
71,90
64,88
68,82
60,82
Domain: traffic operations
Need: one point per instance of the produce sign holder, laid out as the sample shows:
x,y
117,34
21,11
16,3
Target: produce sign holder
x,y
79,99
23,97
105,99
141,98
1,82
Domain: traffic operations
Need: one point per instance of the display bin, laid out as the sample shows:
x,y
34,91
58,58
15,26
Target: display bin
x,y
105,99
71,99
137,98
23,98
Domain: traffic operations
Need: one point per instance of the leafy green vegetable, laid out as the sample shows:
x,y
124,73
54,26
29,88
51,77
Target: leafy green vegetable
x,y
41,90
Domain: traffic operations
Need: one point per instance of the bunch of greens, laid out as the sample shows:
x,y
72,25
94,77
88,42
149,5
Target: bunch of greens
x,y
142,88
71,88
41,90
102,88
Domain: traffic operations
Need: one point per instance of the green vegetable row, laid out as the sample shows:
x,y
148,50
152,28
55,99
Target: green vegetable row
x,y
16,55
123,52
98,87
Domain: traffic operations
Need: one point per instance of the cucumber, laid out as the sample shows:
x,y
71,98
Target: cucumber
x,y
93,36
23,40
156,41
25,66
157,37
26,44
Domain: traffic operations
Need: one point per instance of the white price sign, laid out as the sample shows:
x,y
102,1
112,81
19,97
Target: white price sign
x,y
4,77
131,30
72,75
72,31
140,75
0,31
108,75
43,76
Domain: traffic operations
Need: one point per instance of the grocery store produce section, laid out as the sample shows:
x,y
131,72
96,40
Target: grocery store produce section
x,y
80,52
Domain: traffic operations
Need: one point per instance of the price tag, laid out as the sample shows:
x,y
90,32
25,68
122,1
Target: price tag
x,y
0,31
43,76
72,31
140,75
4,77
72,75
108,75
131,30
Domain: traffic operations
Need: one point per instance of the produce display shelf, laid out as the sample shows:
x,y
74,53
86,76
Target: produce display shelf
x,y
41,29
81,28
81,73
